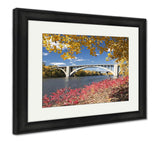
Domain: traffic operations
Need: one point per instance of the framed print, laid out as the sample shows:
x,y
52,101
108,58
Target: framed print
x,y
72,70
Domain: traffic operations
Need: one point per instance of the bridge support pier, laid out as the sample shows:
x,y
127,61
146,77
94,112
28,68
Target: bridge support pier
x,y
68,70
115,70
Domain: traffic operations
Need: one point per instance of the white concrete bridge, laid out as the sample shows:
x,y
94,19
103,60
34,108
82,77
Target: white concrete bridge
x,y
70,70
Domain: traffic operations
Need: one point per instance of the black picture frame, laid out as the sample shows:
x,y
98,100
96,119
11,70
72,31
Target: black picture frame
x,y
20,70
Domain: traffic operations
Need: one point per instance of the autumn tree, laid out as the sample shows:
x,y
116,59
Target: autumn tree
x,y
115,47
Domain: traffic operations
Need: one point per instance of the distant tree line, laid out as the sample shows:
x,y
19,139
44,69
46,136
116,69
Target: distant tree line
x,y
52,71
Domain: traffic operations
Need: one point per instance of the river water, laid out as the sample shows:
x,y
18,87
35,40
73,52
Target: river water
x,y
52,84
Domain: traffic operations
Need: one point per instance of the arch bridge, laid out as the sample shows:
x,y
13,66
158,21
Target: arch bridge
x,y
70,70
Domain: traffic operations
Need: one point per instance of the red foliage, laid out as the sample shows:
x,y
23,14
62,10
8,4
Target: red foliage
x,y
68,96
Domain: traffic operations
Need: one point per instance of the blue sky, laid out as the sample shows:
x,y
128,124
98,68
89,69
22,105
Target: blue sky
x,y
84,58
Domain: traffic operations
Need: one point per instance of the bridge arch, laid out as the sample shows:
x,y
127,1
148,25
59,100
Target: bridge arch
x,y
61,70
77,69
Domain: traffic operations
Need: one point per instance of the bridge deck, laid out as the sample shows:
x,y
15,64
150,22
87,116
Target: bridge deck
x,y
88,65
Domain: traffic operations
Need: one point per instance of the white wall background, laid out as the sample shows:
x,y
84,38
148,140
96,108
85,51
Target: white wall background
x,y
133,131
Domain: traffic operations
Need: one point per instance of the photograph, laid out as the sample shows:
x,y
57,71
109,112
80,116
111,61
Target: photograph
x,y
84,69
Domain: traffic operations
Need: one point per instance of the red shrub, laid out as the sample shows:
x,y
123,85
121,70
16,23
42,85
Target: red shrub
x,y
68,96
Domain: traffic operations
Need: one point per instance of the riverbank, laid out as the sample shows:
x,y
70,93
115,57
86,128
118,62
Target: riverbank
x,y
109,90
